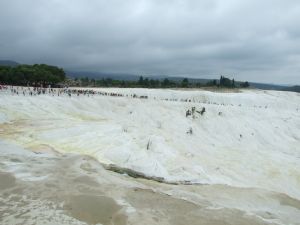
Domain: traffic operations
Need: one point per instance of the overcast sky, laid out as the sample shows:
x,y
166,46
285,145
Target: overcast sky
x,y
255,40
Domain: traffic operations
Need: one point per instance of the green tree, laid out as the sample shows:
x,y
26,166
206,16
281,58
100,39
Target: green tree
x,y
38,74
166,83
245,84
141,81
185,83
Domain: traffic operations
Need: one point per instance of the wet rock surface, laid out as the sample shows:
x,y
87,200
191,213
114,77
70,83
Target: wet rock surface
x,y
71,189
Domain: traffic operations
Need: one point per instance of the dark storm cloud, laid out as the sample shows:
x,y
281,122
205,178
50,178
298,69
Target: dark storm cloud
x,y
252,40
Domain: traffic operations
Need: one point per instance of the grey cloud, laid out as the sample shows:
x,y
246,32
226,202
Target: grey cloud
x,y
252,40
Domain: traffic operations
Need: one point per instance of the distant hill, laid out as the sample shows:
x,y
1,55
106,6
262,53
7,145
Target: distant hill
x,y
130,77
8,63
133,77
191,80
264,86
100,75
293,88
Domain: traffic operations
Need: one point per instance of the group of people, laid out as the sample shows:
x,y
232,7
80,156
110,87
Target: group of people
x,y
35,91
191,112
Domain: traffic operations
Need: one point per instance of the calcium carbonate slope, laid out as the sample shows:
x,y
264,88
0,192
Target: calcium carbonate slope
x,y
248,139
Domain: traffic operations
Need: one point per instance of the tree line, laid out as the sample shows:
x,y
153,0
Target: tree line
x,y
44,75
142,82
32,75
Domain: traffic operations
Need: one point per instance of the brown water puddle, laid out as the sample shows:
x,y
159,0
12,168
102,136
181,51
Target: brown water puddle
x,y
95,209
6,181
